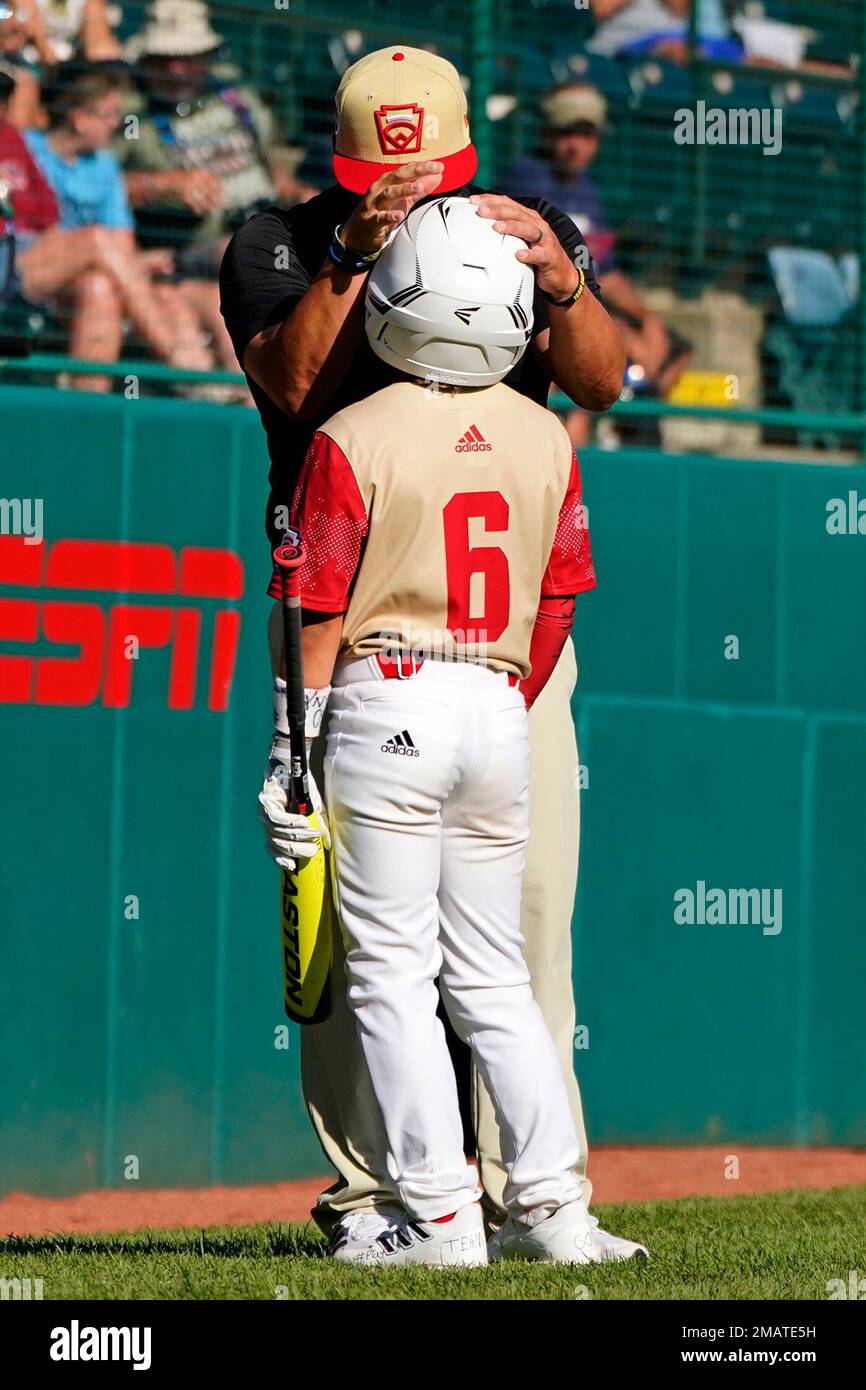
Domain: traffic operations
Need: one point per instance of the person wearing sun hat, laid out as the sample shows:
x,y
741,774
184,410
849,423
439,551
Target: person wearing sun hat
x,y
293,284
200,161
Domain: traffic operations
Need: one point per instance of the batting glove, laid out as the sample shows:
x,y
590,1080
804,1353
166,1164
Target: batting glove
x,y
289,835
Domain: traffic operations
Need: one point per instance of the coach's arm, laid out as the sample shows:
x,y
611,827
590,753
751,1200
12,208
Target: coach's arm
x,y
582,351
301,361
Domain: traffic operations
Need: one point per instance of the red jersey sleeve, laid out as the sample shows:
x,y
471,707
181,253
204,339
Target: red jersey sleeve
x,y
328,511
552,626
570,569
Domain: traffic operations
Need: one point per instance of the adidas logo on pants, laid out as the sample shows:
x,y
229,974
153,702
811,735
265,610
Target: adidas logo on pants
x,y
401,743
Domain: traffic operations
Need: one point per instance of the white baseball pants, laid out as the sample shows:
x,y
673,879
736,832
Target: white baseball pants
x,y
427,790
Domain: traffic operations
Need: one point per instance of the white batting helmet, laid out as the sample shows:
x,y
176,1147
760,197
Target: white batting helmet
x,y
447,300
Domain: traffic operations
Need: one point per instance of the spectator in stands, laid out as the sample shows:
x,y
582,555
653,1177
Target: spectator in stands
x,y
630,28
21,34
37,34
198,164
77,28
90,256
33,203
573,118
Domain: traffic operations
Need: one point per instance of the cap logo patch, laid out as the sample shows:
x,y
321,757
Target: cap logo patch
x,y
399,128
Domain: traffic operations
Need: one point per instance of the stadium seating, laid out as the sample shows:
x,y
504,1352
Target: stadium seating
x,y
689,218
814,301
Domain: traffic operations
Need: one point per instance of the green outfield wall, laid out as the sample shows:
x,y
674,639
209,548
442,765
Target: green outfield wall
x,y
139,963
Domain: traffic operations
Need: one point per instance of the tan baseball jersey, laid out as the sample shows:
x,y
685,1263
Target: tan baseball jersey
x,y
435,520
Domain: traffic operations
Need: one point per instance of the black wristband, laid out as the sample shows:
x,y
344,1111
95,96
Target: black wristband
x,y
347,259
571,298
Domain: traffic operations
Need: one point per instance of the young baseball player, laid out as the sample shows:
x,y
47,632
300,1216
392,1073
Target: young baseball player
x,y
445,538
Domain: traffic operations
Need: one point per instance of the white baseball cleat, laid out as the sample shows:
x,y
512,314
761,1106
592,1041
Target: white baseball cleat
x,y
356,1232
455,1240
569,1236
622,1249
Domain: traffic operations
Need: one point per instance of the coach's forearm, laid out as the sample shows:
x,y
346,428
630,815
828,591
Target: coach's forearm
x,y
582,351
585,354
301,361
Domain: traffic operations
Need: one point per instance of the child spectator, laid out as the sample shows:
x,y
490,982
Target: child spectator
x,y
91,255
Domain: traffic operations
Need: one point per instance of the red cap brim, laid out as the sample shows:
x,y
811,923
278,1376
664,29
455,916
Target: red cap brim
x,y
358,174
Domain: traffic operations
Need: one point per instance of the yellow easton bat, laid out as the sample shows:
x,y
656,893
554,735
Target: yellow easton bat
x,y
306,917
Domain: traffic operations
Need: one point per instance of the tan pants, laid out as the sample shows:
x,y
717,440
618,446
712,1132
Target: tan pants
x,y
337,1090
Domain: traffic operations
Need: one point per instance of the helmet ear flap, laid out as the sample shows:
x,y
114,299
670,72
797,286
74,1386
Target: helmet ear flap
x,y
447,300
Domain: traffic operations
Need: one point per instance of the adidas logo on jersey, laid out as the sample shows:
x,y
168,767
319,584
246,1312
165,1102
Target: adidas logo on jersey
x,y
472,442
401,744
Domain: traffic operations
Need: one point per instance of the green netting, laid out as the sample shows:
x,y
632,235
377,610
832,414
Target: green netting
x,y
697,226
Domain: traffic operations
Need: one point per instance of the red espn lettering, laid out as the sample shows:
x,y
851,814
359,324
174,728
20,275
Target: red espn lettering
x,y
100,631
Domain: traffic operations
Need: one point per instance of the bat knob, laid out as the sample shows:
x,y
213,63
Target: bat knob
x,y
290,554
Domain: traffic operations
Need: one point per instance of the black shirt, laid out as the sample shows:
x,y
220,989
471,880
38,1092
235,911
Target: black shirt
x,y
270,264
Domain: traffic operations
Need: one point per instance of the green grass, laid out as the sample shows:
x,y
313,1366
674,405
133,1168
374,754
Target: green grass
x,y
780,1246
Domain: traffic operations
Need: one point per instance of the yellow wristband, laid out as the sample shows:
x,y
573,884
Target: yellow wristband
x,y
572,298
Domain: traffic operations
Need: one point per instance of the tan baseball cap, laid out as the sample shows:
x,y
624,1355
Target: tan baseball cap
x,y
396,106
574,103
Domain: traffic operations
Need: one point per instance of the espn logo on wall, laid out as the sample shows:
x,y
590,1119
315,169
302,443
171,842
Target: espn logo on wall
x,y
472,442
144,591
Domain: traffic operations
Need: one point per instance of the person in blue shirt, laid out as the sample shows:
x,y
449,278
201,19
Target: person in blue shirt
x,y
86,179
634,28
573,117
92,255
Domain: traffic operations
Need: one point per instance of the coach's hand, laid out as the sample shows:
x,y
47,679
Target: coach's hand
x,y
545,253
387,202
